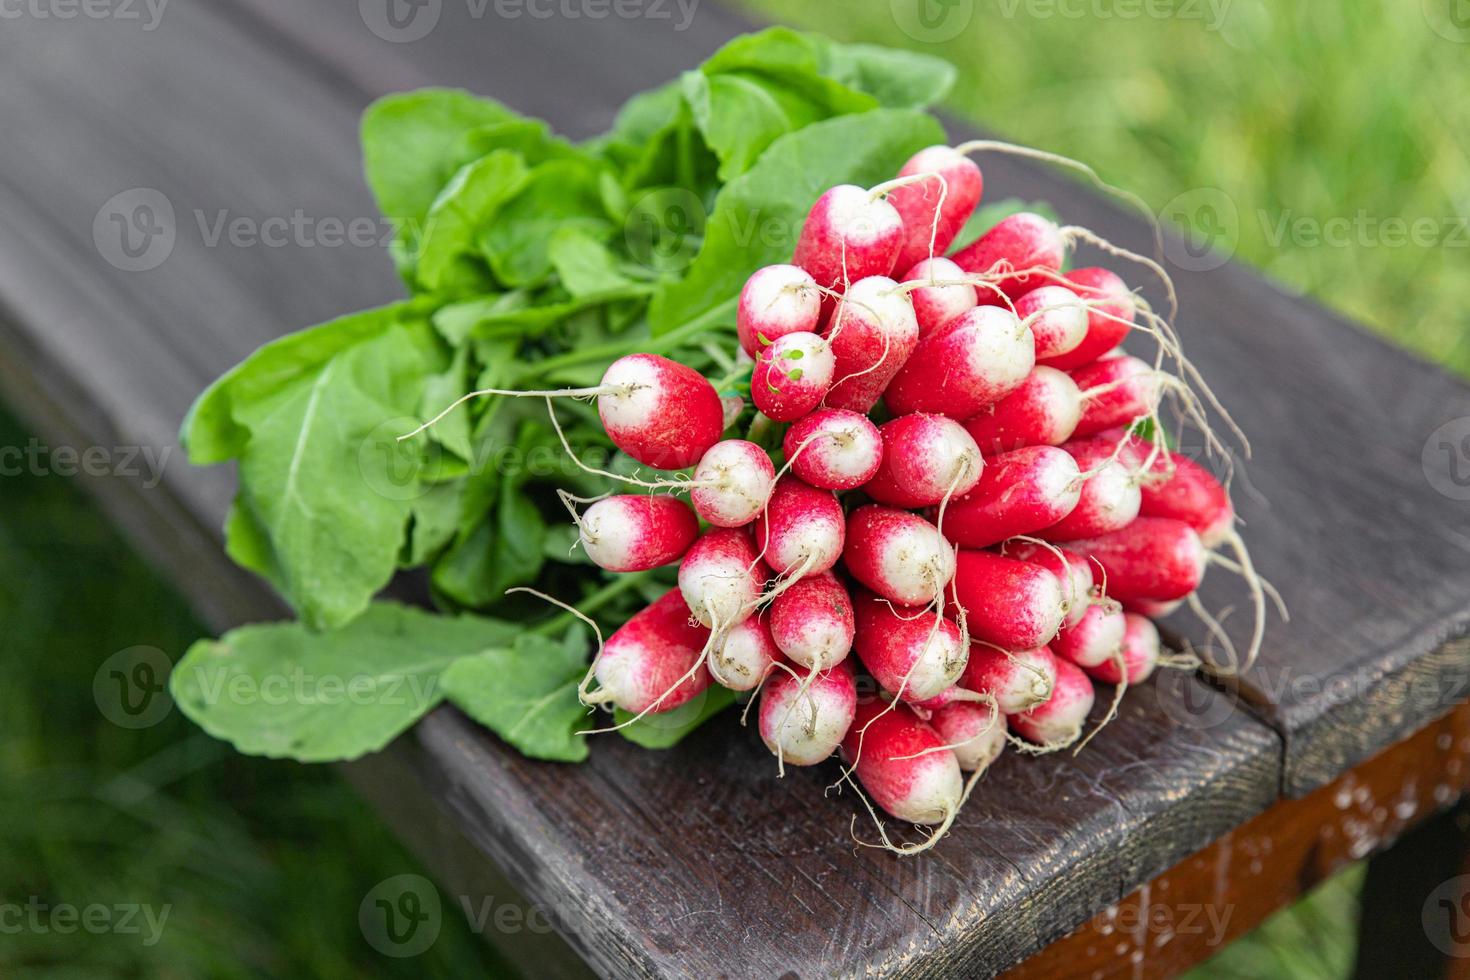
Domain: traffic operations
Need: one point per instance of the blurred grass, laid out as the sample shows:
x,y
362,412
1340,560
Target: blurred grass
x,y
1332,118
263,864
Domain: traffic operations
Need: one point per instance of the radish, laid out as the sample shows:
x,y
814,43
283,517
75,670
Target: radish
x,y
1013,604
1019,492
661,413
732,483
1074,571
976,733
898,555
849,234
776,300
802,529
1115,391
746,655
1095,639
802,722
792,376
1043,411
926,458
641,665
812,621
903,764
914,656
722,578
1020,242
1057,316
1112,302
1190,494
1151,608
1141,651
1155,558
1057,722
1017,681
872,334
976,360
1110,496
954,200
834,449
935,306
636,532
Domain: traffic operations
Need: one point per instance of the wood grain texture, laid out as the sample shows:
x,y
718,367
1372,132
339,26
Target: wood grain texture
x,y
697,858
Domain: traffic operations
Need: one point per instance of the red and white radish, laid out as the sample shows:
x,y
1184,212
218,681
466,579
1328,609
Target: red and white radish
x,y
636,532
803,720
1058,721
913,655
1057,317
1155,558
917,203
834,449
1019,492
926,458
1115,391
775,301
1111,303
976,733
1074,571
1042,411
898,555
792,376
935,306
1095,639
903,764
1141,651
802,529
849,234
722,578
660,412
732,483
812,621
1151,608
641,665
1190,494
746,654
976,360
872,332
1012,604
1020,242
1110,496
1018,681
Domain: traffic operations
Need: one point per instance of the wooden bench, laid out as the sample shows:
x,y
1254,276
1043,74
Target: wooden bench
x,y
696,861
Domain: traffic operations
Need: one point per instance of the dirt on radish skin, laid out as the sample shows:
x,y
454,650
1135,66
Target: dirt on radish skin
x,y
912,654
1018,680
1043,411
746,655
802,529
1019,492
1074,571
1021,241
1058,721
722,577
975,360
804,727
1012,604
937,306
733,483
812,622
792,376
776,300
954,200
834,449
643,661
926,458
1104,331
1141,650
664,414
898,555
976,733
636,532
849,235
903,763
873,331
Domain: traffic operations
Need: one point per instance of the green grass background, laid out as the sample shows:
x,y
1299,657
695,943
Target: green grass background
x,y
1357,112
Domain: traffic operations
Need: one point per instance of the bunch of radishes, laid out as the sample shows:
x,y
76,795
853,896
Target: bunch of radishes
x,y
990,543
